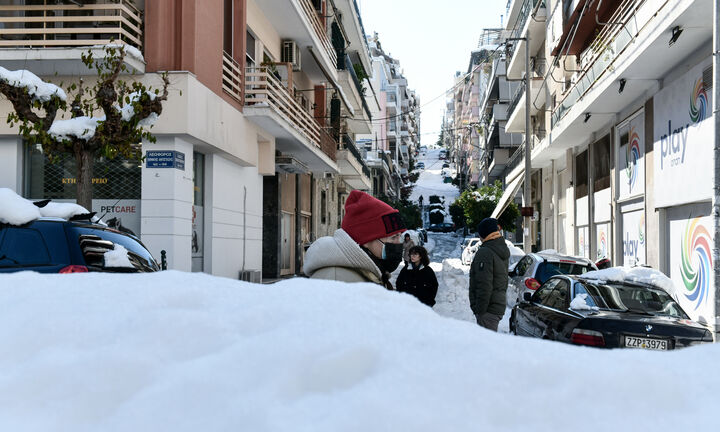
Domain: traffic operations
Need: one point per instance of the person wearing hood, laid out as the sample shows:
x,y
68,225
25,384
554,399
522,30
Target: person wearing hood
x,y
489,276
367,248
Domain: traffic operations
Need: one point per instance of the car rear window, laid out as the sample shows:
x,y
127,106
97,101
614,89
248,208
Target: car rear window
x,y
547,269
636,299
22,247
95,242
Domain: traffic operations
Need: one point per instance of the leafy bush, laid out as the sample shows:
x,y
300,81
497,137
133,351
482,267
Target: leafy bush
x,y
457,213
434,199
409,212
479,204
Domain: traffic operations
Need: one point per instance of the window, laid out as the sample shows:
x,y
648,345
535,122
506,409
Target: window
x,y
198,179
557,299
581,175
250,50
602,163
23,247
228,26
323,207
523,266
580,289
542,294
547,270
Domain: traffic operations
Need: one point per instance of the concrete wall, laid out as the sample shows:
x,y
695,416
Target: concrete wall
x,y
233,217
11,163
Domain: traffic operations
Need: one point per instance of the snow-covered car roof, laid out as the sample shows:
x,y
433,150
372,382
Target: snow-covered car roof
x,y
16,210
632,275
554,256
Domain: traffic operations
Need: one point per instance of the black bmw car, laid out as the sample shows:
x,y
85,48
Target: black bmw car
x,y
605,314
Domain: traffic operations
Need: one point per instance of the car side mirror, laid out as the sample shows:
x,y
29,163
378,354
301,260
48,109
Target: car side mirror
x,y
527,296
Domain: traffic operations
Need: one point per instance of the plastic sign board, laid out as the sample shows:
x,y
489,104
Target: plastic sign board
x,y
633,238
691,266
631,158
683,135
165,159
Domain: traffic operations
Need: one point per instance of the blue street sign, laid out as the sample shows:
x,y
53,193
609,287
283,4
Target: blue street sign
x,y
165,159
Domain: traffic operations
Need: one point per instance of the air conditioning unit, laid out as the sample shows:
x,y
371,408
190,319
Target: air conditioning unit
x,y
254,276
291,54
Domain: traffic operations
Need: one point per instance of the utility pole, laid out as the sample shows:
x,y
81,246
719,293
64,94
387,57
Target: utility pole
x,y
716,151
527,241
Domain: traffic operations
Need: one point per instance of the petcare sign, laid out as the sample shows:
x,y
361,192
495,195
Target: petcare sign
x,y
683,136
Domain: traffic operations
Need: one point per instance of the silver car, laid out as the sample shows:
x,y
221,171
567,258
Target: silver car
x,y
534,269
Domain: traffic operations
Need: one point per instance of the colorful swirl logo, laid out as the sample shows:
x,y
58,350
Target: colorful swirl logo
x,y
696,264
641,229
698,102
633,155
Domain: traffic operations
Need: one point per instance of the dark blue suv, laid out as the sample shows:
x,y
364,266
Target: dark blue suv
x,y
53,245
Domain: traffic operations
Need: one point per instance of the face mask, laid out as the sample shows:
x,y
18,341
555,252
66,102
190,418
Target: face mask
x,y
391,256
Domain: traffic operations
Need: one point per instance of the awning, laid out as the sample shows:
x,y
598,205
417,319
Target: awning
x,y
507,196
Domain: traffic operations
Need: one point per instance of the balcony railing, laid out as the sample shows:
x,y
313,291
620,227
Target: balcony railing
x,y
319,28
525,10
262,89
361,90
350,145
65,25
612,41
232,77
519,93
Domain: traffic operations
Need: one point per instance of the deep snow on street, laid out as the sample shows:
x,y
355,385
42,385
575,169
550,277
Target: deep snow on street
x,y
188,352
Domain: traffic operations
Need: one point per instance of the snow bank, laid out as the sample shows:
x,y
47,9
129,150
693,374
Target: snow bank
x,y
79,127
117,258
187,352
16,210
37,88
516,254
634,274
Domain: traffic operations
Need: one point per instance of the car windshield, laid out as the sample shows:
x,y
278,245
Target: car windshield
x,y
95,242
547,269
625,298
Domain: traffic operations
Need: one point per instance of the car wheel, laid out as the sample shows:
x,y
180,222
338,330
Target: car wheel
x,y
513,324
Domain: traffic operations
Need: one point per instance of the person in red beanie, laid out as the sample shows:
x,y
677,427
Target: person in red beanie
x,y
367,248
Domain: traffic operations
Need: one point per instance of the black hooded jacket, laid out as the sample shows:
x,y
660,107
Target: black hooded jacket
x,y
420,282
489,278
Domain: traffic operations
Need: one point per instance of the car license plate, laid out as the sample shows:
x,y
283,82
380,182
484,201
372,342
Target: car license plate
x,y
646,343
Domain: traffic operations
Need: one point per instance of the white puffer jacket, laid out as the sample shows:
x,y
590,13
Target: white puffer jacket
x,y
340,258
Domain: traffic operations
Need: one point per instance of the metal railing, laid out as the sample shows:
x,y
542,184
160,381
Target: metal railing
x,y
519,93
328,144
319,28
525,10
361,91
65,25
262,89
349,144
610,43
517,157
232,77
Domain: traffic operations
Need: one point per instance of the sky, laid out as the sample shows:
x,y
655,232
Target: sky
x,y
432,43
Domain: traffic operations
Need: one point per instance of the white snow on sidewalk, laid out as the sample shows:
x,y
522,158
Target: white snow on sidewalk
x,y
188,352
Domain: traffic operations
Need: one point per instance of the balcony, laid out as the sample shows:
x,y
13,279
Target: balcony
x,y
516,109
232,77
526,26
64,32
353,168
270,105
354,89
297,20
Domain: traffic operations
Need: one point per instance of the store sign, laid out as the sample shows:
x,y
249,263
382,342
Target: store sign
x,y
633,238
601,241
683,135
691,266
165,159
631,158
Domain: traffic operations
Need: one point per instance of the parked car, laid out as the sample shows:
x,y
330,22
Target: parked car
x,y
54,245
420,165
611,315
534,269
416,237
445,165
469,248
442,227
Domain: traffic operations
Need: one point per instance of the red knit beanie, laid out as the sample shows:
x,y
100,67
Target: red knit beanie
x,y
367,218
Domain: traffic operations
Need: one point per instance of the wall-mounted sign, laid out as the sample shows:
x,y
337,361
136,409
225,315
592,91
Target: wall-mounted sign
x,y
633,238
165,159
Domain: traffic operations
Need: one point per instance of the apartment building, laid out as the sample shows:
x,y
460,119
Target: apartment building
x,y
264,107
396,130
622,133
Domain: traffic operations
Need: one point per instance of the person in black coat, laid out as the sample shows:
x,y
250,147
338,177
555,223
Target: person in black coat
x,y
417,278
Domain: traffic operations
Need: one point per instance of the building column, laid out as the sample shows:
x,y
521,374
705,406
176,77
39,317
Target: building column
x,y
167,196
11,164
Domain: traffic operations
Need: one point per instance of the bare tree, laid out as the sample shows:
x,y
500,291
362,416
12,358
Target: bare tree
x,y
124,113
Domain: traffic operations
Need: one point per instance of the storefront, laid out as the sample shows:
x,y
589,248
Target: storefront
x,y
683,135
630,191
